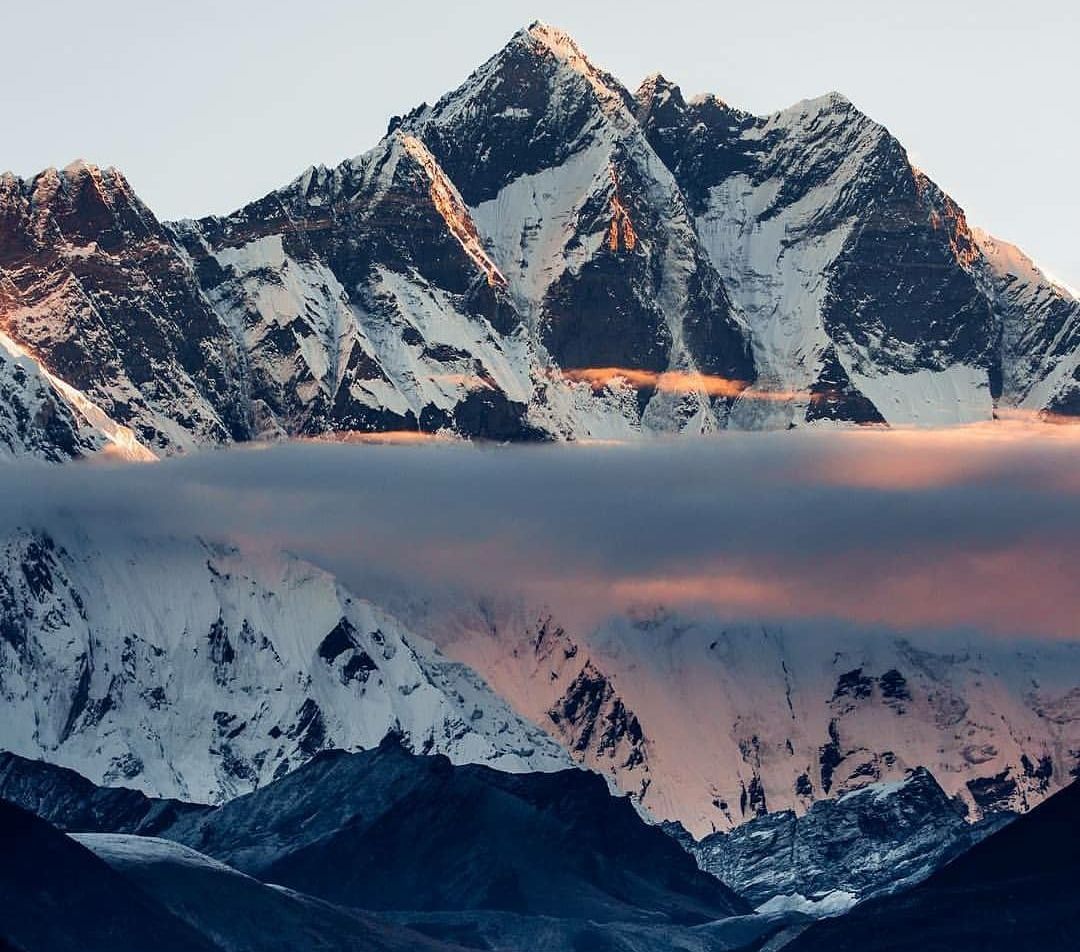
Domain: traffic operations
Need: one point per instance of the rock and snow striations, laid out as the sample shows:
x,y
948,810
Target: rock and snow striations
x,y
714,724
539,255
188,670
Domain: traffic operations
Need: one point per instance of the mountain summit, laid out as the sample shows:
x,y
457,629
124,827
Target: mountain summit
x,y
541,254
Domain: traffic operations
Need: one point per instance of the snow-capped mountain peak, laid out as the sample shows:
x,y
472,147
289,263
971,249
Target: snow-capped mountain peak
x,y
536,223
564,48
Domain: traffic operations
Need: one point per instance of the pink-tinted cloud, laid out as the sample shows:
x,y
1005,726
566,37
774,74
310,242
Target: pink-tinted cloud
x,y
975,527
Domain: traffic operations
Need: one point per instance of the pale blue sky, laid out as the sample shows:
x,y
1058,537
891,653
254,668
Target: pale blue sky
x,y
206,105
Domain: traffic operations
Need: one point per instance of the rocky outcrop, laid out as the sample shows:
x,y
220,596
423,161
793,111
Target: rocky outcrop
x,y
881,838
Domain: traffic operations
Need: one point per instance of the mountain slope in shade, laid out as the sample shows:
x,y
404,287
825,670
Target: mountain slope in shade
x,y
550,844
858,276
1016,890
190,670
542,254
712,723
501,930
56,895
880,838
238,913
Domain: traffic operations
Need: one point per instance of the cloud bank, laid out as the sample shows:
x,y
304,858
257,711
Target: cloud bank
x,y
972,528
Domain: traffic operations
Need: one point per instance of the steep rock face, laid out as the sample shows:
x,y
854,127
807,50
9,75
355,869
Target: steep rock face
x,y
713,724
587,224
95,287
1040,331
880,838
858,277
549,676
362,297
1014,890
188,670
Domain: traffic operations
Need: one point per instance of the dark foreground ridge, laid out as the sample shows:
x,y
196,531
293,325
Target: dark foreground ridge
x,y
388,830
56,895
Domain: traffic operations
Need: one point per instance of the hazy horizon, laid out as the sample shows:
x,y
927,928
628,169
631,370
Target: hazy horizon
x,y
212,108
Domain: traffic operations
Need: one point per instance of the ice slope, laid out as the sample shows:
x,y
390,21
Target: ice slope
x,y
185,669
55,894
43,417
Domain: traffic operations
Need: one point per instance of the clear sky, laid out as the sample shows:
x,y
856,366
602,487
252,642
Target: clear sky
x,y
207,104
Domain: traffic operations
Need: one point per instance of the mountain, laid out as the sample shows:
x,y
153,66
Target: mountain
x,y
713,723
1014,891
611,881
881,838
196,671
501,930
1040,337
56,895
541,254
551,844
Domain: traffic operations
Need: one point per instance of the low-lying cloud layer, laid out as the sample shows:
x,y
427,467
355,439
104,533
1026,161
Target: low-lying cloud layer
x,y
961,528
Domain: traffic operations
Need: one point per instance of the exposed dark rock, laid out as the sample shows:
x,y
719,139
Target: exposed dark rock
x,y
993,793
853,684
873,840
1016,890
593,718
340,640
830,757
894,686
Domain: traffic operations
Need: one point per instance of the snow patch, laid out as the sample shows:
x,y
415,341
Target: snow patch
x,y
835,903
